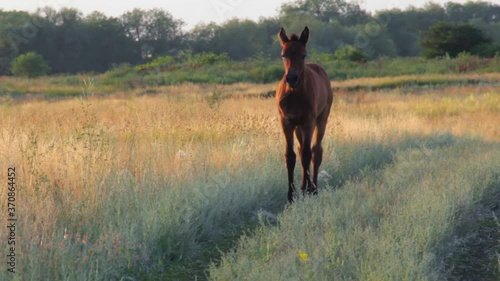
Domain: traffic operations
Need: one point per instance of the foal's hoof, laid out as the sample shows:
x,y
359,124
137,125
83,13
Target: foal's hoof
x,y
312,192
312,189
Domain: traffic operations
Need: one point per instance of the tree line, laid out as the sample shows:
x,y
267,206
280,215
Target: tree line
x,y
71,42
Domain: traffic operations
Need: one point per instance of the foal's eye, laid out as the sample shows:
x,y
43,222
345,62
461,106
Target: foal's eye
x,y
283,57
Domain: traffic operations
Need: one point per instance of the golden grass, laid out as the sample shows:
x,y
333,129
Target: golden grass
x,y
427,79
463,111
66,151
148,131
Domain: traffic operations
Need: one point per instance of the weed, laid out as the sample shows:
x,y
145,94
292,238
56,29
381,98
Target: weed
x,y
215,98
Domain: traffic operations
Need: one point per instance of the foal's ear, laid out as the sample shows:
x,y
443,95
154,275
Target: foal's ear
x,y
283,38
304,36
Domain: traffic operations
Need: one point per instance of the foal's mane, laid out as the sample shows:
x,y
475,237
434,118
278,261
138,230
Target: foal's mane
x,y
294,37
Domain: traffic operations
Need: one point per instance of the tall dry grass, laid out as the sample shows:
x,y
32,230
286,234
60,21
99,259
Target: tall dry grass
x,y
151,186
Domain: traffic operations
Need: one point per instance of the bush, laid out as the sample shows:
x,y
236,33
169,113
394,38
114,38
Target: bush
x,y
350,53
200,59
29,65
122,76
318,57
267,74
157,64
210,58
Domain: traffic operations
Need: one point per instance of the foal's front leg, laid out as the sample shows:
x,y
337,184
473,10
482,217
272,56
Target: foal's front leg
x,y
289,157
306,156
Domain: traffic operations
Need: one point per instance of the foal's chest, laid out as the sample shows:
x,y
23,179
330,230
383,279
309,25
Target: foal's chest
x,y
294,107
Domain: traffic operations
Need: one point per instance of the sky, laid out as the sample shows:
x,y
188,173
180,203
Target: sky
x,y
196,11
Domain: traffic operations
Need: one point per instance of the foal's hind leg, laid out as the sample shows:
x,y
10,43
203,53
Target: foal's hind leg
x,y
317,149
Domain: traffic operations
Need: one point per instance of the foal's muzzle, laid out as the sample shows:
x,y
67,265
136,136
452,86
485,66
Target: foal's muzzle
x,y
292,78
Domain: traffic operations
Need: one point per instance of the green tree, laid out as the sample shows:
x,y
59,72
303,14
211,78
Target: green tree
x,y
405,27
486,50
156,31
29,65
240,39
203,37
61,40
487,12
107,43
12,40
450,38
73,43
347,13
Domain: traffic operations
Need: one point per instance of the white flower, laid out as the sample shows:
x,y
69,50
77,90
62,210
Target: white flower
x,y
181,154
323,175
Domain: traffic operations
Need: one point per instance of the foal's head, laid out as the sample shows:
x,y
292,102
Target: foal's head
x,y
293,52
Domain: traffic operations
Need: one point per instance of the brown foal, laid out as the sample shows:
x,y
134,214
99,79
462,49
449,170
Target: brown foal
x,y
304,97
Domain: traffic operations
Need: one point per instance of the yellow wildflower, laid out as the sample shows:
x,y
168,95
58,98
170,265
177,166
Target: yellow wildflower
x,y
302,255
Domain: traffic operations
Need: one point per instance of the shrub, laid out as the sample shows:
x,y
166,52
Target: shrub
x,y
29,65
120,70
267,74
121,75
157,64
200,59
350,53
318,57
210,58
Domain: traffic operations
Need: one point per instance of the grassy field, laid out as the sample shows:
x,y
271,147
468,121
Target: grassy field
x,y
382,73
189,184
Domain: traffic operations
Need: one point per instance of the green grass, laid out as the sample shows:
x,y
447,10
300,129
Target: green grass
x,y
270,70
410,72
408,83
476,242
390,223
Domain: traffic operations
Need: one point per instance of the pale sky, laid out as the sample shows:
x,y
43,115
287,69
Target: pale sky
x,y
196,11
